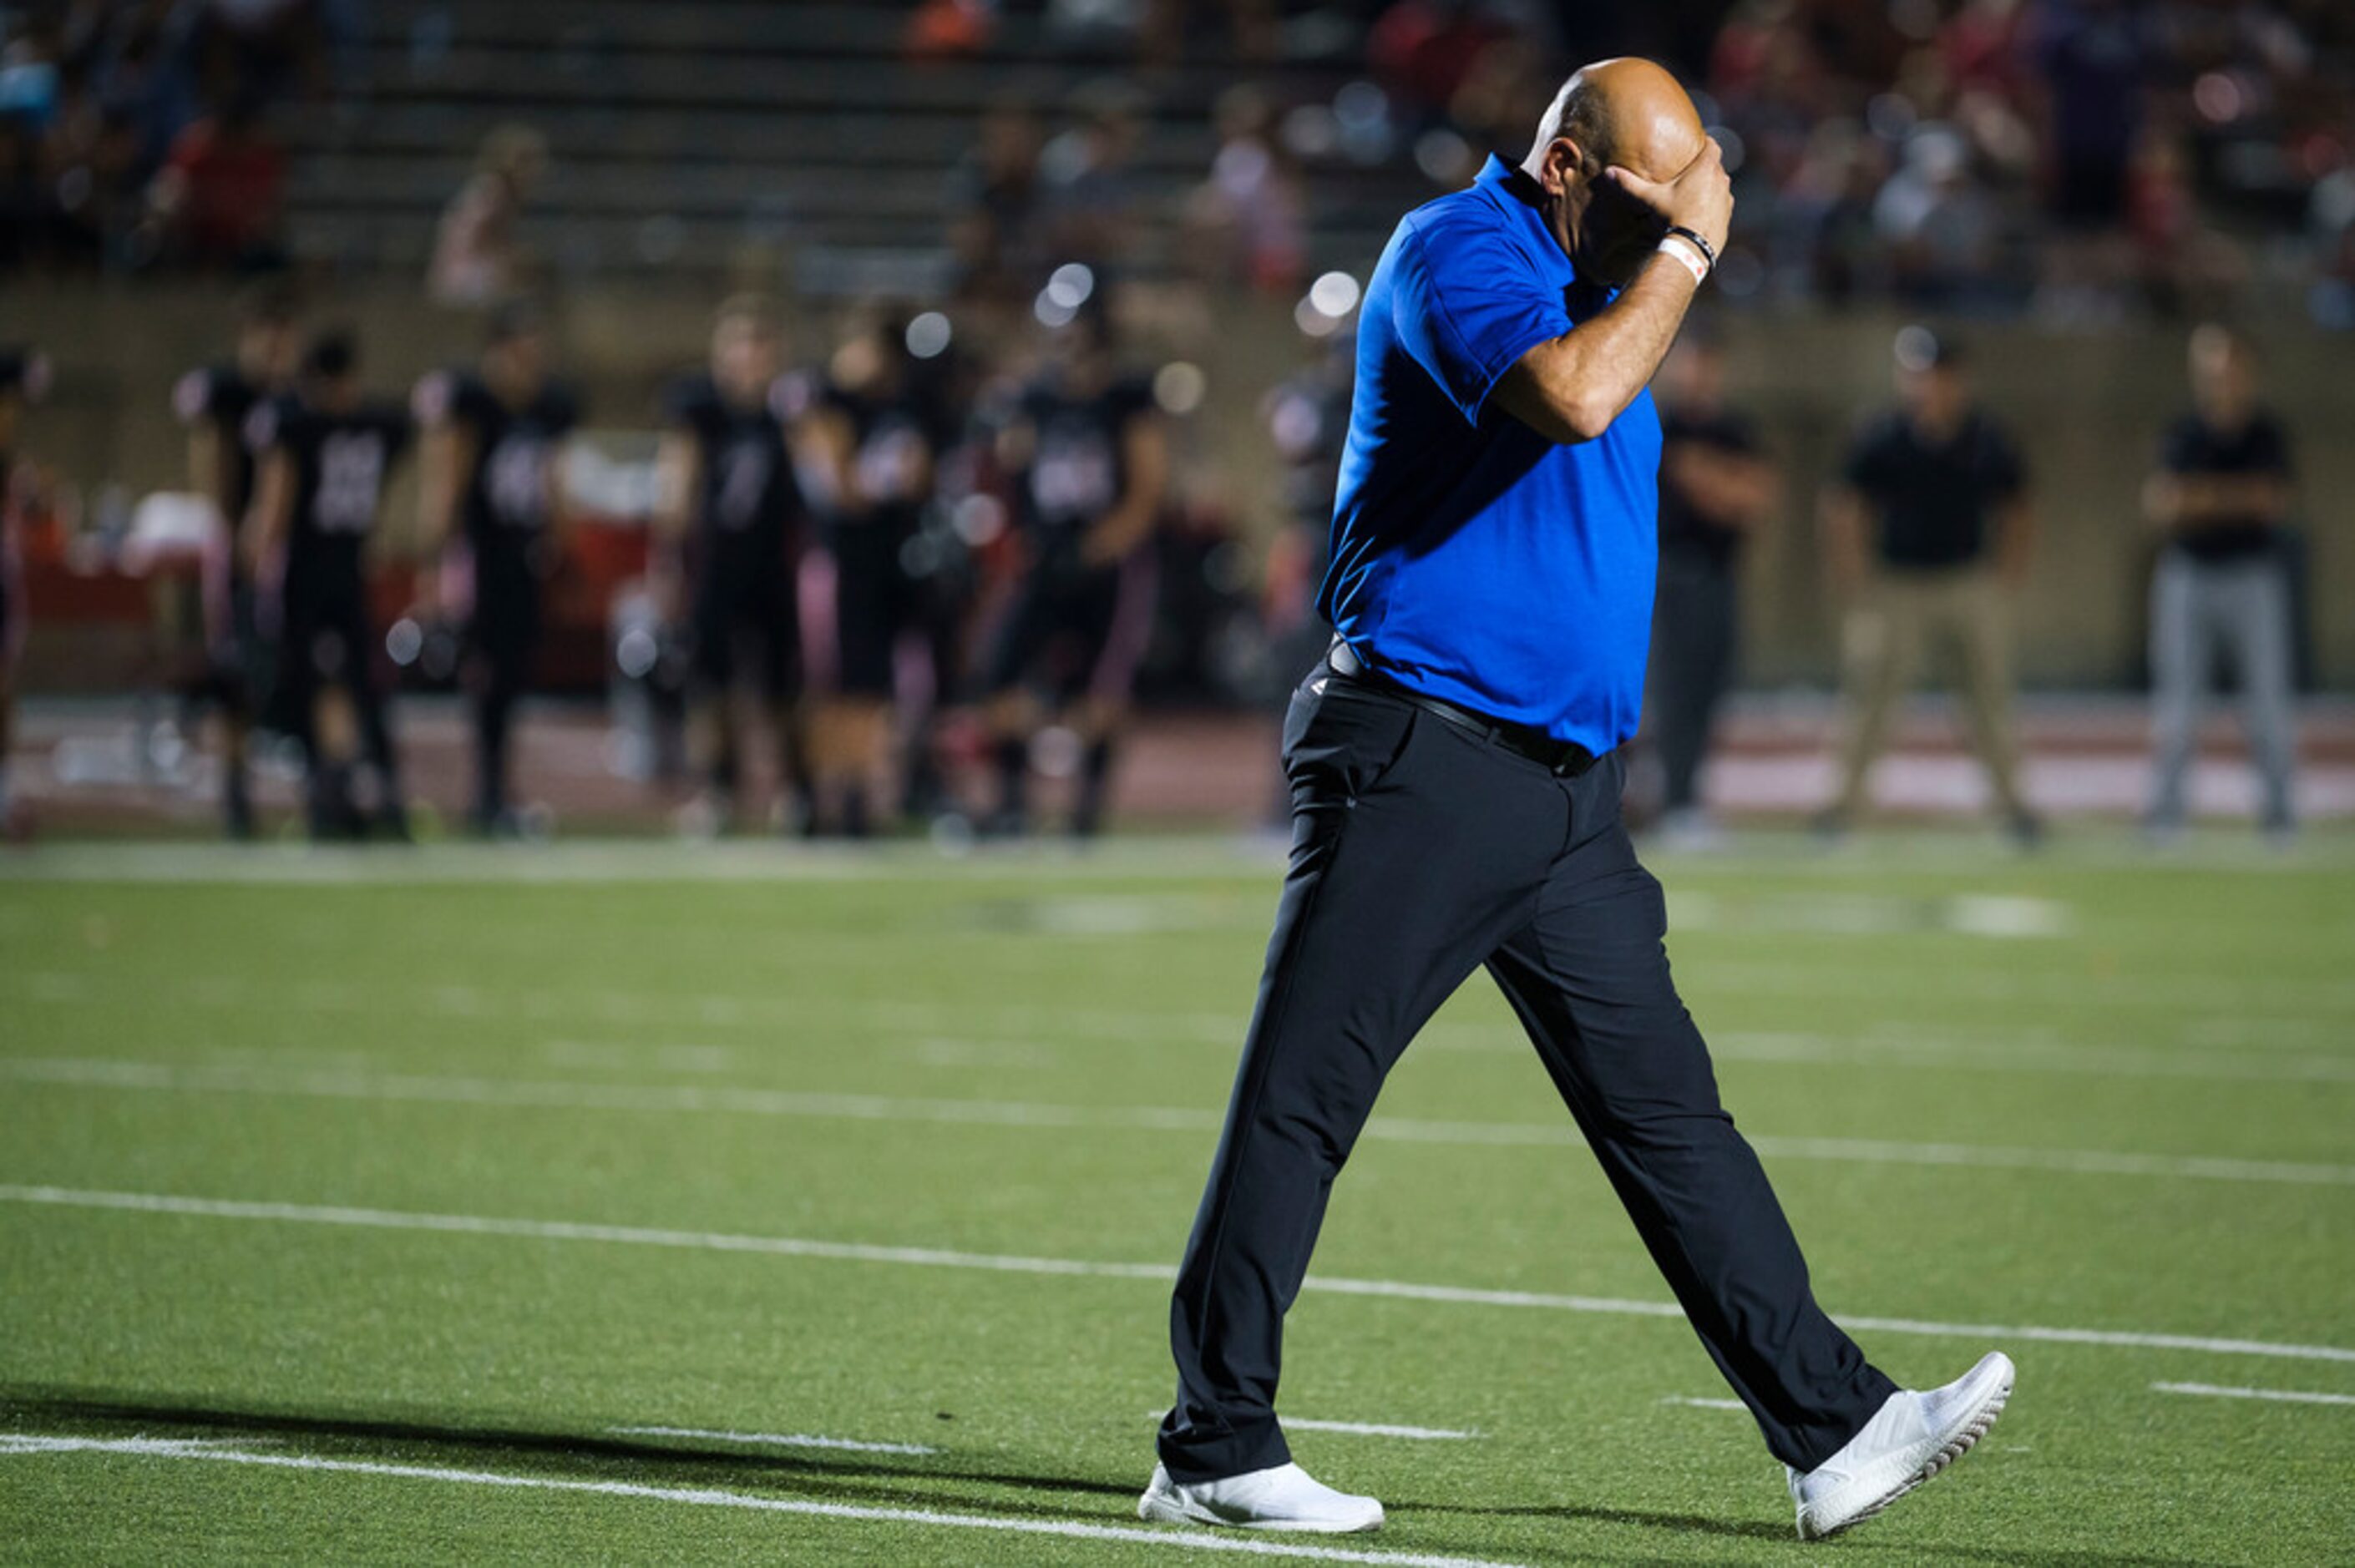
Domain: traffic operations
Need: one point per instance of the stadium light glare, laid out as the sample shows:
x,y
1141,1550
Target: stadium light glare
x,y
1071,284
1178,386
929,335
1335,294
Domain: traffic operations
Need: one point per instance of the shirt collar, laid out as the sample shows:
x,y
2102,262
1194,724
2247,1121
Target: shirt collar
x,y
1506,179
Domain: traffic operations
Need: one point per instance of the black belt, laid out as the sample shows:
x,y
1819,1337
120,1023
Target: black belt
x,y
1564,757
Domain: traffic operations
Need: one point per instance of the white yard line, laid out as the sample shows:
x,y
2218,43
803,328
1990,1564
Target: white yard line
x,y
124,1074
772,1439
1034,1025
1700,1403
1381,1429
2276,1396
931,1257
21,1443
1369,1429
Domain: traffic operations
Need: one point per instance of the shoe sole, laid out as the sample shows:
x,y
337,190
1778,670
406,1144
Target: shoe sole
x,y
1960,1443
1157,1507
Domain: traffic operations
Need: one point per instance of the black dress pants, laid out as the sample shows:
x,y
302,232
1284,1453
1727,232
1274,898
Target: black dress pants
x,y
1421,852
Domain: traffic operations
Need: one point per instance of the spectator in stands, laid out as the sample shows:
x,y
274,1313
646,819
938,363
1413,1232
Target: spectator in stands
x,y
2093,59
1926,535
1938,225
264,46
1090,193
994,196
24,198
23,377
1250,216
478,258
219,199
1251,27
2219,499
1716,488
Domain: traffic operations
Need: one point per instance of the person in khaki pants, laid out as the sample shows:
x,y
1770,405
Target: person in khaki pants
x,y
1926,533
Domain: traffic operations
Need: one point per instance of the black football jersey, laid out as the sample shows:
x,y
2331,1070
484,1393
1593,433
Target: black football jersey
x,y
1079,467
896,441
223,397
341,464
751,502
503,502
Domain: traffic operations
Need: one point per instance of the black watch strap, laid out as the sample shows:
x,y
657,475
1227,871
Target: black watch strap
x,y
1707,251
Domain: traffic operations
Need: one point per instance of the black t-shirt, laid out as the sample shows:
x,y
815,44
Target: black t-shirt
x,y
222,395
341,463
2194,449
896,438
505,501
1933,500
1684,527
749,511
1078,468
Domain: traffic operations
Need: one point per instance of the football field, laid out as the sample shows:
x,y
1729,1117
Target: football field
x,y
642,1202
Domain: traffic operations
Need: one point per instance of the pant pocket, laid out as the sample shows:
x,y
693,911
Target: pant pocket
x,y
1339,740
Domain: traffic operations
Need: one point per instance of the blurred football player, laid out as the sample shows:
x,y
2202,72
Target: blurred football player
x,y
1089,460
326,451
732,526
24,379
1716,487
2221,502
880,431
491,518
215,403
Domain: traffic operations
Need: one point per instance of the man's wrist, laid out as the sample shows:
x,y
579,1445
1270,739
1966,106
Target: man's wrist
x,y
1686,254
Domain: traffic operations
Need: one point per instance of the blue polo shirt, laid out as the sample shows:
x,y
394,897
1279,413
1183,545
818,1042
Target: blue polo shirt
x,y
1474,560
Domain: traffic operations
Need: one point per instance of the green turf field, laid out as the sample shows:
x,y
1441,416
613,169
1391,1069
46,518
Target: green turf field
x,y
476,1206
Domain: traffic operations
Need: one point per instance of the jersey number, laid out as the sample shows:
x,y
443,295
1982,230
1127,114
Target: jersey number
x,y
351,476
517,482
1071,480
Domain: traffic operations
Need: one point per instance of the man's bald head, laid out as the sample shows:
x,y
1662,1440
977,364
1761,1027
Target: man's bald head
x,y
1627,111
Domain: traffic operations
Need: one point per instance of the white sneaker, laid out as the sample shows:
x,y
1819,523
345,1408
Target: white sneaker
x,y
1284,1498
1910,1439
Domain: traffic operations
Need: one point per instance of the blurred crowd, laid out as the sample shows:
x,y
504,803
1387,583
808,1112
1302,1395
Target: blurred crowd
x,y
2079,159
135,134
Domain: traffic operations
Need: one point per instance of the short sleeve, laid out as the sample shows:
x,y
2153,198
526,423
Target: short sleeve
x,y
1466,303
192,398
435,402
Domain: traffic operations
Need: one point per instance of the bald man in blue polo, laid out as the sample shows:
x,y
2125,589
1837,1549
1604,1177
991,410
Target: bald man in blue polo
x,y
1455,779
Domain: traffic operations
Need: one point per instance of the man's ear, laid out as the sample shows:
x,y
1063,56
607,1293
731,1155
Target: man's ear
x,y
1559,167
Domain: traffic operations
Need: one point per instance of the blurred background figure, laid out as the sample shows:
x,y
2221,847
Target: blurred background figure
x,y
995,199
733,524
326,451
880,427
1716,488
23,377
479,256
2219,499
492,528
218,203
217,404
1927,536
1089,460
